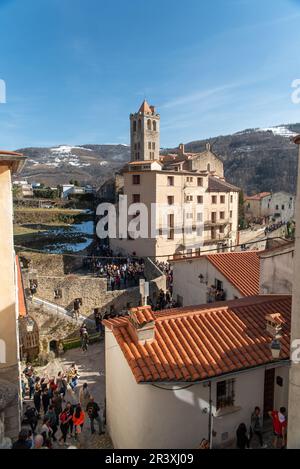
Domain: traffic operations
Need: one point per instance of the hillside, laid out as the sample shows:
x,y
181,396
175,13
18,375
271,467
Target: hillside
x,y
257,159
89,164
254,159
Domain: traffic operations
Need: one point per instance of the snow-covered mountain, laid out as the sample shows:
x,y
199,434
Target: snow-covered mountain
x,y
86,163
260,159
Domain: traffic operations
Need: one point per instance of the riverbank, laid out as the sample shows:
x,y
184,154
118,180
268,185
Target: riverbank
x,y
53,230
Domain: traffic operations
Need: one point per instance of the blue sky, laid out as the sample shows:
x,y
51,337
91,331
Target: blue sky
x,y
75,69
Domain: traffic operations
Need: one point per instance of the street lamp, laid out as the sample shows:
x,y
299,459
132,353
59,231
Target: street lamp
x,y
275,348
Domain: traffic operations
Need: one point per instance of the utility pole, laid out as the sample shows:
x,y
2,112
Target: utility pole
x,y
293,433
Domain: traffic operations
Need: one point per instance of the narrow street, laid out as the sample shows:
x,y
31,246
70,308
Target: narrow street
x,y
91,371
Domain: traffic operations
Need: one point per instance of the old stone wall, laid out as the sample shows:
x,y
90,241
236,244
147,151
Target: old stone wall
x,y
50,264
49,271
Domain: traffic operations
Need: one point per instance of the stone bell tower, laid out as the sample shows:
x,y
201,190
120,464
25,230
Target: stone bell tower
x,y
145,133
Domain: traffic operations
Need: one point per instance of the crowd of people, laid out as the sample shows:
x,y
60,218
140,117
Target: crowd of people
x,y
279,421
120,272
166,269
54,411
274,227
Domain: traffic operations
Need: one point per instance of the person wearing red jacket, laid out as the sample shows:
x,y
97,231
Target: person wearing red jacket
x,y
279,426
78,420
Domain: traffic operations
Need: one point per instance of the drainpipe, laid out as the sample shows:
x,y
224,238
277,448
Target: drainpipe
x,y
210,417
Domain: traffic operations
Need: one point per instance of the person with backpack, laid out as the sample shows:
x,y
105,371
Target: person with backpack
x,y
93,410
31,416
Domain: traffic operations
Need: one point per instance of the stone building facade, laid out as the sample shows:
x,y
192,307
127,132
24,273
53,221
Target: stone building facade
x,y
188,204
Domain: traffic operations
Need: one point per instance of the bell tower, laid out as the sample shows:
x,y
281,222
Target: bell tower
x,y
145,134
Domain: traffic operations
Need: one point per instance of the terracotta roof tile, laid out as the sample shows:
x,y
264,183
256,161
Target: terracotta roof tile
x,y
145,108
219,185
199,342
259,196
240,268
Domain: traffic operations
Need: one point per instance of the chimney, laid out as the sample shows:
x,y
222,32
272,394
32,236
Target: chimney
x,y
181,149
274,324
142,324
152,109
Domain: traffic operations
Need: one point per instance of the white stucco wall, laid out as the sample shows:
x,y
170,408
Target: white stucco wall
x,y
186,282
281,203
276,271
143,416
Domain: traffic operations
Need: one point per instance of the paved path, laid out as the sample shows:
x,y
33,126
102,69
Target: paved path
x,y
90,366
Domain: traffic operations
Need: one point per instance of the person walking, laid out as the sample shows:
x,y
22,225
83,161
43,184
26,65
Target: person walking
x,y
70,412
31,416
256,426
45,400
279,427
73,377
52,421
84,396
78,420
242,440
37,395
64,418
93,410
57,404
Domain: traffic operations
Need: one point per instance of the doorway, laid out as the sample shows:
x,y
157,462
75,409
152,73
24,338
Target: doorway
x,y
269,391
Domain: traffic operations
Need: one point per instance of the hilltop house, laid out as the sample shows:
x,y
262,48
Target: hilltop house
x,y
174,377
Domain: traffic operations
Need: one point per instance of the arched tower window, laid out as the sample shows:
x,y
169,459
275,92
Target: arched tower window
x,y
149,124
139,124
134,126
154,125
208,167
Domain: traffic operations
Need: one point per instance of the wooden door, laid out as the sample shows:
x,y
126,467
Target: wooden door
x,y
269,390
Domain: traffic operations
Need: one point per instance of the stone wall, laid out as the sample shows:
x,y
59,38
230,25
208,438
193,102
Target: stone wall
x,y
49,270
9,402
50,264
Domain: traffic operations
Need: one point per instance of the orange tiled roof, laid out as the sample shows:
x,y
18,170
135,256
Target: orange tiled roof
x,y
142,315
240,268
21,297
200,342
259,196
145,108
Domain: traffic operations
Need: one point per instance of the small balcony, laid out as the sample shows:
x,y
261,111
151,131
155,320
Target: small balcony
x,y
217,222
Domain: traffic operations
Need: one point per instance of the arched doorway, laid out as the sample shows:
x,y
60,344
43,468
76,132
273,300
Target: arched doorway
x,y
53,347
